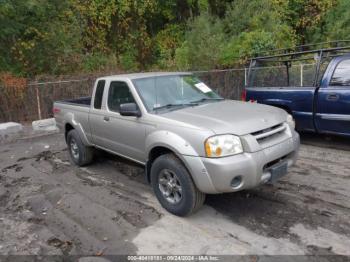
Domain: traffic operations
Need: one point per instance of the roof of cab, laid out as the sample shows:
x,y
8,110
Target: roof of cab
x,y
143,75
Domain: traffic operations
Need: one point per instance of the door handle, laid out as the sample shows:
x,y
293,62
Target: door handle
x,y
332,97
106,118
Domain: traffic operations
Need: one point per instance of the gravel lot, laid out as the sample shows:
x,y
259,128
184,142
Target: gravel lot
x,y
49,206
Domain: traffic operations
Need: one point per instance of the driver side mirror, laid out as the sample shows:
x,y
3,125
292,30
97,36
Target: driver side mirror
x,y
129,109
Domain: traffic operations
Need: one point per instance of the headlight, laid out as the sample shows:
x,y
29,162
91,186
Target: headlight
x,y
291,121
223,145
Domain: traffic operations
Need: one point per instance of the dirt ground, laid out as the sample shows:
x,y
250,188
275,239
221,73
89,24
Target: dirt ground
x,y
49,206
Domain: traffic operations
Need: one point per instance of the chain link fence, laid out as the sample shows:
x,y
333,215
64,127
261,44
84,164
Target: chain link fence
x,y
227,83
35,100
50,92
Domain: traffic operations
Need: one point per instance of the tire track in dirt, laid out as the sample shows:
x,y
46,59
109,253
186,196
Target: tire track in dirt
x,y
70,204
314,194
56,202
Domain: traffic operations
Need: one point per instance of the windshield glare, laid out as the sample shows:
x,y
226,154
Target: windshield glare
x,y
160,91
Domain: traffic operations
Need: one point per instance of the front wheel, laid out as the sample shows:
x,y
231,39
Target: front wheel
x,y
173,186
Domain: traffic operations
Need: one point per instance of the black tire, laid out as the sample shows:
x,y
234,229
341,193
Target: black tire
x,y
82,155
191,198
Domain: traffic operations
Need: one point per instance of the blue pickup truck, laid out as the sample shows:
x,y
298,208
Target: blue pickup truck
x,y
313,86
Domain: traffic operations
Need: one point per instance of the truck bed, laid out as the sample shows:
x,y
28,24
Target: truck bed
x,y
297,101
80,107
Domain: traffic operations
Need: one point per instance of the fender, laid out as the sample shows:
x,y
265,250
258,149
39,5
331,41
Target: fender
x,y
186,153
171,141
69,119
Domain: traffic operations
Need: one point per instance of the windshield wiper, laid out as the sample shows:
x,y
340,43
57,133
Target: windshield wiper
x,y
166,106
192,103
206,99
173,105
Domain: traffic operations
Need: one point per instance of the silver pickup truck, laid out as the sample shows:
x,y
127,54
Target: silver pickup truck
x,y
191,141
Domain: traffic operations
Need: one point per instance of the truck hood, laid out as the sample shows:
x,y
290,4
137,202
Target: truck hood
x,y
229,116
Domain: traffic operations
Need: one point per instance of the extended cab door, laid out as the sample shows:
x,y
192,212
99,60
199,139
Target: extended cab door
x,y
96,114
124,135
333,101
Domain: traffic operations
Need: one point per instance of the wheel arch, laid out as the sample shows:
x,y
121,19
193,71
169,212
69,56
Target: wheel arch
x,y
162,142
153,154
70,123
67,127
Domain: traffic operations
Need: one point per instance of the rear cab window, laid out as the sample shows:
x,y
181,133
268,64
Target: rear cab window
x,y
99,94
341,75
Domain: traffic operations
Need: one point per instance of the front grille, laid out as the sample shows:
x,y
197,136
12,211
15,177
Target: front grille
x,y
269,132
274,162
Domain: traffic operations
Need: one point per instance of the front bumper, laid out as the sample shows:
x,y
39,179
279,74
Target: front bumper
x,y
215,175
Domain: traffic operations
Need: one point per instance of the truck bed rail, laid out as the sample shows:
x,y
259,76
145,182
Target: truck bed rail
x,y
81,101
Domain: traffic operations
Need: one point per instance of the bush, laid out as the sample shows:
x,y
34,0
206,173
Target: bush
x,y
182,57
168,40
335,25
128,60
247,44
261,27
98,61
203,46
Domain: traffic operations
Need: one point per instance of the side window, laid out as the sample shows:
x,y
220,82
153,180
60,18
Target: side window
x,y
99,94
119,93
341,75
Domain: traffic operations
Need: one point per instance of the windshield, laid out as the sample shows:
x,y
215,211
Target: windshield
x,y
174,91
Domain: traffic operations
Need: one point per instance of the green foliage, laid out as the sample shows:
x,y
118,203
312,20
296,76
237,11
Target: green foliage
x,y
98,61
95,19
245,45
306,16
168,40
214,43
334,25
259,28
128,60
67,36
218,7
204,44
182,57
38,36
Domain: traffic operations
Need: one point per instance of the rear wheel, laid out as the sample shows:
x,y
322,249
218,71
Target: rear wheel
x,y
173,186
80,154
